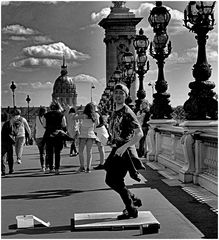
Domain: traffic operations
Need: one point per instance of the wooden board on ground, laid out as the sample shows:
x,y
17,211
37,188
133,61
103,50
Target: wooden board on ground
x,y
108,220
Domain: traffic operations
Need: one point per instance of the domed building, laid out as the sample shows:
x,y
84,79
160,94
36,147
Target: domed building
x,y
64,89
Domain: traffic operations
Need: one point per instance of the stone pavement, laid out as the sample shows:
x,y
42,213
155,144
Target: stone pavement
x,y
55,198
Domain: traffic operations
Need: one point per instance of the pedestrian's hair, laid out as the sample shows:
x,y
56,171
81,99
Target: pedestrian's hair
x,y
42,111
4,116
55,106
72,110
90,111
15,112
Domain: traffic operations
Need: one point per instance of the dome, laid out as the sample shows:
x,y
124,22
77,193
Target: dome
x,y
64,88
64,84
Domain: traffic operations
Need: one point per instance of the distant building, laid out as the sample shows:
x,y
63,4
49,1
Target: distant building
x,y
64,89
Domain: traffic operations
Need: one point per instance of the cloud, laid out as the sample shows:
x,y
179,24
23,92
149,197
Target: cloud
x,y
96,17
18,30
18,3
18,38
37,63
39,85
21,33
48,56
41,39
83,78
54,51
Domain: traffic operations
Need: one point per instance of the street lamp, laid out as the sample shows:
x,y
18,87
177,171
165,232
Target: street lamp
x,y
159,19
201,105
128,67
13,87
141,43
28,101
91,92
117,75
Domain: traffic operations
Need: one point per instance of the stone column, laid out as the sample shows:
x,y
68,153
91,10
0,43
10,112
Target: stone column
x,y
120,31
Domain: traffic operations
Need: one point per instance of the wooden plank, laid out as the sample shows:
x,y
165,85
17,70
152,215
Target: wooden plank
x,y
82,221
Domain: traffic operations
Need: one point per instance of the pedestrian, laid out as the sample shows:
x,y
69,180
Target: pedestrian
x,y
100,145
20,124
73,130
143,116
54,122
7,142
125,133
88,121
38,133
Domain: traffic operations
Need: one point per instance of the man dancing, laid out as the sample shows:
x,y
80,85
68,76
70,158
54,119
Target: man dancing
x,y
126,132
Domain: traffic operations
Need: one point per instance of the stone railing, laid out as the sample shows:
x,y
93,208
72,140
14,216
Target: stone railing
x,y
190,153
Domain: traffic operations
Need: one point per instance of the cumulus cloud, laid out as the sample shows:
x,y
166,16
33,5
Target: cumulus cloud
x,y
21,33
96,17
48,56
18,30
83,78
54,51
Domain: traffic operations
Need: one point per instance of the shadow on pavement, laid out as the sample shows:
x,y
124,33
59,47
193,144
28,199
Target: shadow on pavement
x,y
38,229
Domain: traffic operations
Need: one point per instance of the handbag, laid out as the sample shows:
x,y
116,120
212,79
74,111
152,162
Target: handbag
x,y
61,135
102,135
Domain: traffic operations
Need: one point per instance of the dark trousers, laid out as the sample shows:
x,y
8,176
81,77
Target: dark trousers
x,y
73,147
53,145
41,146
116,170
7,150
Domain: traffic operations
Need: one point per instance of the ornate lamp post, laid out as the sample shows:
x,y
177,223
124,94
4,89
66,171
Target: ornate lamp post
x,y
117,75
201,105
28,102
91,92
159,19
13,87
128,67
141,43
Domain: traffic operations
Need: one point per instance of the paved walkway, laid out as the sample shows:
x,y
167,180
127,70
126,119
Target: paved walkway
x,y
55,198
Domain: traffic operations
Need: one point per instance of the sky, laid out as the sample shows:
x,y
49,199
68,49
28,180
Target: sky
x,y
35,35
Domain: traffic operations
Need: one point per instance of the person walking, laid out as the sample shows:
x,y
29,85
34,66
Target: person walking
x,y
73,130
20,124
54,121
100,145
7,142
125,133
143,116
88,121
38,133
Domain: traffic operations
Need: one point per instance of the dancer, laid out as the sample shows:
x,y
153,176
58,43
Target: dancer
x,y
125,133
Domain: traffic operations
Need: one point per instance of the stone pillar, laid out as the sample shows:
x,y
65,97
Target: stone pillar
x,y
120,31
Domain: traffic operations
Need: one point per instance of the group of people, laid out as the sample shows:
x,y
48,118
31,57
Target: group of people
x,y
63,123
125,128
